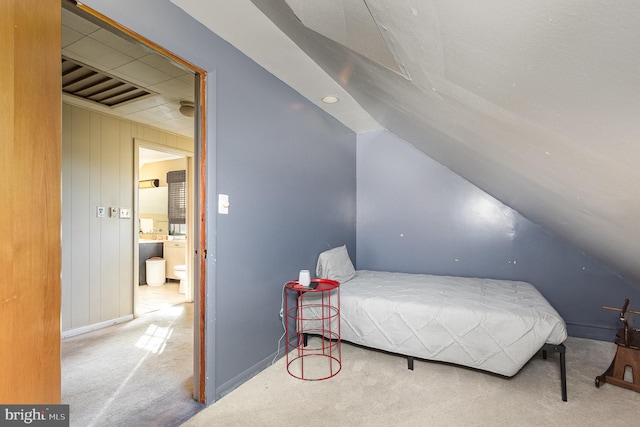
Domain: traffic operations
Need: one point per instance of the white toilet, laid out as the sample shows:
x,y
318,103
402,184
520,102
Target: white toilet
x,y
181,273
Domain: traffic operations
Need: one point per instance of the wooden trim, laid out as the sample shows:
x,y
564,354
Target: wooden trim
x,y
202,176
30,218
203,234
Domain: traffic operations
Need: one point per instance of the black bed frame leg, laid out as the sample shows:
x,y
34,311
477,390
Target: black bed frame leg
x,y
410,362
563,373
560,348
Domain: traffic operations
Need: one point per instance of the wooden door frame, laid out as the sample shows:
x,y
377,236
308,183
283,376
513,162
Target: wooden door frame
x,y
200,155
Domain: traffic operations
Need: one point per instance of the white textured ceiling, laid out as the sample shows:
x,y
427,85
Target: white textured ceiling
x,y
249,30
349,23
537,103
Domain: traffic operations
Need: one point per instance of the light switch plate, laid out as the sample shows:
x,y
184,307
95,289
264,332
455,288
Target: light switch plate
x,y
125,213
223,204
113,213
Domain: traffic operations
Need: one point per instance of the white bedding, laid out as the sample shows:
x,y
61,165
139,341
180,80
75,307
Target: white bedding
x,y
493,325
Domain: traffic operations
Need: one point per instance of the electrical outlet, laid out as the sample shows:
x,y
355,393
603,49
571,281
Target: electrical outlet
x,y
125,213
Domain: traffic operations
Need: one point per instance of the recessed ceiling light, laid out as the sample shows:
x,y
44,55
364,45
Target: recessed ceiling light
x,y
330,99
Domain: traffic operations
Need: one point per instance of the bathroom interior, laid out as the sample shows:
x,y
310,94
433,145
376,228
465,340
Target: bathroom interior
x,y
162,237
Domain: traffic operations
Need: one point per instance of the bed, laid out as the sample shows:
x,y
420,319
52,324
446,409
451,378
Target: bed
x,y
492,325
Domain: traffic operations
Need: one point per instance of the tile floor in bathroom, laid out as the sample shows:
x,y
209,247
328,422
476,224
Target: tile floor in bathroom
x,y
152,298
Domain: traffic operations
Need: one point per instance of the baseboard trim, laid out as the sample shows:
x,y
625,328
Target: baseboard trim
x,y
95,326
594,332
241,378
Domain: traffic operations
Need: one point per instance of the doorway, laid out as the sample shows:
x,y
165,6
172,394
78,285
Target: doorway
x,y
165,234
115,210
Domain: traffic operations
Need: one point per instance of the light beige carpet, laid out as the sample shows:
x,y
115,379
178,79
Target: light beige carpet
x,y
377,389
137,373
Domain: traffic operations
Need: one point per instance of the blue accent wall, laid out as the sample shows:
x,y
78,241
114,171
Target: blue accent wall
x,y
415,215
289,171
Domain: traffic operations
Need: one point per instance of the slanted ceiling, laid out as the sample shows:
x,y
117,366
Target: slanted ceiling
x,y
349,23
537,103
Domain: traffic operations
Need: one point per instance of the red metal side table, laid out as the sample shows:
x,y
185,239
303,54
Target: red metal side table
x,y
312,328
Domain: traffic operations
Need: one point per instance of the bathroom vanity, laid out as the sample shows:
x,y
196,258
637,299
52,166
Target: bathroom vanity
x,y
174,254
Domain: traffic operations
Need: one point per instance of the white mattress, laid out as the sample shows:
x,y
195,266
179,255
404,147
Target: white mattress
x,y
493,325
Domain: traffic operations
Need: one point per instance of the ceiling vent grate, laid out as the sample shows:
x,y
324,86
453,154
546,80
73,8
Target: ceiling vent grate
x,y
84,82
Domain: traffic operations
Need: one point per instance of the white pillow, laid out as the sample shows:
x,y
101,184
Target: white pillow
x,y
335,264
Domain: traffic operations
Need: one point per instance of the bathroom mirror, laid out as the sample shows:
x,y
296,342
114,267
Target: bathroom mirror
x,y
153,200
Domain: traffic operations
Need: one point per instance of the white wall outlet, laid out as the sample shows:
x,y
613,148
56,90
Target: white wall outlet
x,y
223,204
101,211
125,213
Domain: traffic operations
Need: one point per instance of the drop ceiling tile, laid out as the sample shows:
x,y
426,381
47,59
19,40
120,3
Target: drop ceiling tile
x,y
184,124
179,121
188,78
81,25
115,42
163,64
69,36
97,55
140,73
175,89
159,113
132,107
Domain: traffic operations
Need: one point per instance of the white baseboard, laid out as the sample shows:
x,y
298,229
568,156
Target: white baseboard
x,y
84,329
